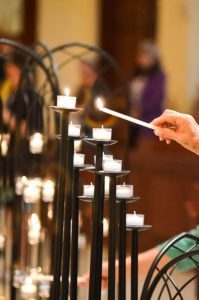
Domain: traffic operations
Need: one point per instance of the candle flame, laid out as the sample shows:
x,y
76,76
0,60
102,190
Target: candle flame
x,y
67,91
134,212
100,103
91,183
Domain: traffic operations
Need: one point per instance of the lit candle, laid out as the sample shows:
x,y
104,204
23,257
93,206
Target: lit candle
x,y
36,143
74,130
20,183
101,107
105,157
134,219
44,289
114,165
88,190
34,228
4,141
66,101
102,133
78,159
48,191
28,289
32,191
124,191
2,241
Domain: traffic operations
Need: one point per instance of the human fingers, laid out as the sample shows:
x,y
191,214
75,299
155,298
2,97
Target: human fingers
x,y
166,134
168,117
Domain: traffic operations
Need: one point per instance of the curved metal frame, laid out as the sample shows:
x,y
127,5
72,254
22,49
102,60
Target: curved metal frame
x,y
150,283
32,54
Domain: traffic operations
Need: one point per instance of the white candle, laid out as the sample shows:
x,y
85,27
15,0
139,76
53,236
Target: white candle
x,y
4,141
28,289
2,241
74,130
66,101
20,183
134,219
105,157
122,116
124,191
114,165
88,190
78,159
36,143
34,228
32,191
102,133
48,191
44,289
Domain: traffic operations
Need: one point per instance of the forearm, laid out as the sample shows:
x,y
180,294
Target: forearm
x,y
145,260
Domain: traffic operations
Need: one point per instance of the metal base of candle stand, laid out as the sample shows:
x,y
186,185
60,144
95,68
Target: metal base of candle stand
x,y
122,245
112,230
74,238
134,257
75,228
112,239
59,213
67,221
118,200
97,234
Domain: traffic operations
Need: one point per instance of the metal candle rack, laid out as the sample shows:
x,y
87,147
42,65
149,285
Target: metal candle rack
x,y
63,211
65,260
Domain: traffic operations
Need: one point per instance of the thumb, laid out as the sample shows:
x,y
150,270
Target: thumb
x,y
166,134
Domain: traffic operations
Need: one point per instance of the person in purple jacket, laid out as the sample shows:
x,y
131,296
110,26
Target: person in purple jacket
x,y
147,89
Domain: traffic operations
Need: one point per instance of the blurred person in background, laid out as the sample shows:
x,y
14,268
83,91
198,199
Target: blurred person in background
x,y
13,103
147,90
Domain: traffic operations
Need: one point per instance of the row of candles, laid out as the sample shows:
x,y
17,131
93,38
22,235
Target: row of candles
x,y
34,189
109,163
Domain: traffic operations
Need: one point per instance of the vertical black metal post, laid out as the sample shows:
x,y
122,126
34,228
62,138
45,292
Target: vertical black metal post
x,y
134,264
67,222
112,239
97,231
74,239
122,250
59,214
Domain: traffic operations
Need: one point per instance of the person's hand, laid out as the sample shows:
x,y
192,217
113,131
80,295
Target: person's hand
x,y
186,131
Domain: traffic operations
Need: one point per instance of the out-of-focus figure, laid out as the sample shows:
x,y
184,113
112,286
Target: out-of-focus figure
x,y
147,89
13,104
92,87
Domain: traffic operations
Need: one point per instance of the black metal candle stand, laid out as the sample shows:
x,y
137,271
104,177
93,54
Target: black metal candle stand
x,y
74,232
63,207
97,221
112,236
134,257
67,209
